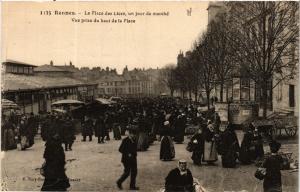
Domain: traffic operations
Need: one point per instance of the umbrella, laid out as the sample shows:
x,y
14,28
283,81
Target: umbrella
x,y
104,101
68,102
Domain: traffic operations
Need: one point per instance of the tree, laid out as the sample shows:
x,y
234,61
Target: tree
x,y
167,77
205,68
264,35
219,50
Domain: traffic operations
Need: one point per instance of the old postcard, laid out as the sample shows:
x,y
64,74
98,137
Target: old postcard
x,y
173,96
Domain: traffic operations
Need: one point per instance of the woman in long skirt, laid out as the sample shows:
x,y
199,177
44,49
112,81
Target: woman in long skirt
x,y
167,150
247,150
8,135
143,140
198,145
54,169
210,151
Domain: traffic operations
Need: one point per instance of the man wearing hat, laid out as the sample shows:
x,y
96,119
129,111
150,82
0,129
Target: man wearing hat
x,y
128,148
272,180
180,179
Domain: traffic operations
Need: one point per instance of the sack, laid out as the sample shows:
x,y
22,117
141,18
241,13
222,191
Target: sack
x,y
23,142
260,173
285,164
42,169
190,147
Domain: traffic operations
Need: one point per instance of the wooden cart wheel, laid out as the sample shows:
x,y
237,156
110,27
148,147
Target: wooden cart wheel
x,y
272,133
291,131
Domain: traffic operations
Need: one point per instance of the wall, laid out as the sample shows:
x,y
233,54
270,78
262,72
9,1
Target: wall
x,y
281,97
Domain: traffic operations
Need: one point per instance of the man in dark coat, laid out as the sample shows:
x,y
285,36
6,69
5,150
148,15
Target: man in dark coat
x,y
46,127
180,179
68,133
108,124
87,129
273,164
258,145
100,129
123,121
128,148
31,129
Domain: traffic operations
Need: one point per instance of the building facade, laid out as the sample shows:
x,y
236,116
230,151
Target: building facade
x,y
241,90
35,93
135,83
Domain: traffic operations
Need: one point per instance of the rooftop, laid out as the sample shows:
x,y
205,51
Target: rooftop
x,y
49,68
111,78
12,62
12,82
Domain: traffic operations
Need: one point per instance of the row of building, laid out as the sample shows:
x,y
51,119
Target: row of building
x,y
34,88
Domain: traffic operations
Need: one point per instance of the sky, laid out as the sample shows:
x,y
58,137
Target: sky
x,y
31,35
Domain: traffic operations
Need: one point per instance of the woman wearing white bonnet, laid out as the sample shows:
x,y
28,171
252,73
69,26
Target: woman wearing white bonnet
x,y
180,179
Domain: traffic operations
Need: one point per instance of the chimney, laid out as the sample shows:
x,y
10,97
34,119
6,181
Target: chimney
x,y
51,63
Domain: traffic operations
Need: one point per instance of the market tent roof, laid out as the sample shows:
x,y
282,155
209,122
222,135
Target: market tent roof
x,y
68,102
7,104
105,101
59,110
12,82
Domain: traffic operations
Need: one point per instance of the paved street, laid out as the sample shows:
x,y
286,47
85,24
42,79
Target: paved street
x,y
96,167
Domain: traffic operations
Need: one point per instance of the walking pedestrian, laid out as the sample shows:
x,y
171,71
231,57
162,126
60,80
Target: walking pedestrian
x,y
128,148
68,133
54,167
167,150
100,129
107,126
87,129
197,142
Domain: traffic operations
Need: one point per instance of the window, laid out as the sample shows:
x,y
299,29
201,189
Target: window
x,y
259,94
26,71
30,70
15,69
245,89
292,95
9,69
20,70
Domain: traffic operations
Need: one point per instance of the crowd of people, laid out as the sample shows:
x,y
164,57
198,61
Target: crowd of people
x,y
147,120
18,131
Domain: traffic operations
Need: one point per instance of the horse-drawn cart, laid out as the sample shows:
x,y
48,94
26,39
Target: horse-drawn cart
x,y
276,126
287,123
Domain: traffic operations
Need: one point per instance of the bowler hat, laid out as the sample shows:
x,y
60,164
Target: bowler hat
x,y
274,146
